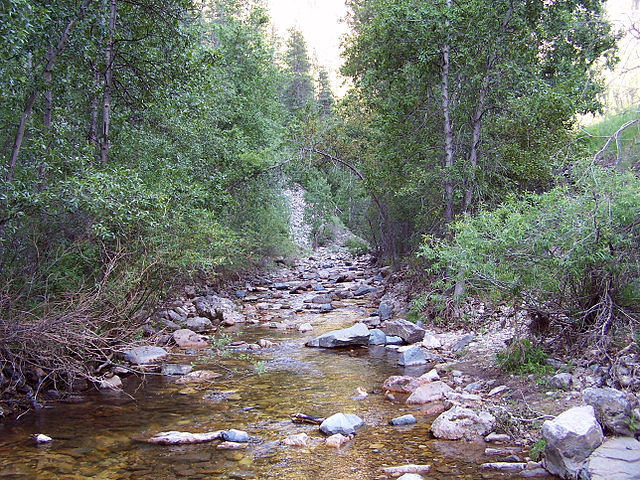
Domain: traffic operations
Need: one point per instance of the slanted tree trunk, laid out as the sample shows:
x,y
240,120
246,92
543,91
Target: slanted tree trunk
x,y
31,97
108,85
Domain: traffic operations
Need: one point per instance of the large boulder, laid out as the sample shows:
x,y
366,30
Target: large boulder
x,y
144,355
357,334
409,332
385,310
612,408
343,423
429,392
569,439
460,422
618,458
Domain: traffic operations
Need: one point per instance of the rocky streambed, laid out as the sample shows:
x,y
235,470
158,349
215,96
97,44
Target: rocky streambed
x,y
310,373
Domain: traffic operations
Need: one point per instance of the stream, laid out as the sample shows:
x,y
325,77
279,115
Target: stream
x,y
100,437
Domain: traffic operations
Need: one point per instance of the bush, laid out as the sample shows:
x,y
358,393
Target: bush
x,y
569,254
523,357
356,246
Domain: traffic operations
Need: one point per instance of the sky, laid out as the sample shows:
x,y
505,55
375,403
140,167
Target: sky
x,y
321,22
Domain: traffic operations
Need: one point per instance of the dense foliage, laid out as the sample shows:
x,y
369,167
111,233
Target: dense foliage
x,y
133,139
457,104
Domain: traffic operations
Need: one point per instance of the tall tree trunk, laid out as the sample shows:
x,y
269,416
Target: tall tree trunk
x,y
93,107
448,133
478,111
108,85
31,98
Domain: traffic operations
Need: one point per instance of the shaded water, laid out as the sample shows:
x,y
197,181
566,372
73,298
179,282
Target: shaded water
x,y
95,439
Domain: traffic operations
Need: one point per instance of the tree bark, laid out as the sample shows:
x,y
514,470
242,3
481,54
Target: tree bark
x,y
93,108
448,133
108,85
31,98
46,122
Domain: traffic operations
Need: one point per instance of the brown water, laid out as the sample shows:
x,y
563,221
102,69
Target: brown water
x,y
95,439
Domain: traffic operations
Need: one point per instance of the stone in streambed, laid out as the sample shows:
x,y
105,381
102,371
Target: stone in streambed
x,y
175,369
236,436
393,340
377,337
403,420
145,355
358,334
460,422
186,338
345,424
410,469
179,438
337,440
299,440
429,392
412,356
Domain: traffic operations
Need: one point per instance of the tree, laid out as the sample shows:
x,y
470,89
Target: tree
x,y
468,98
298,89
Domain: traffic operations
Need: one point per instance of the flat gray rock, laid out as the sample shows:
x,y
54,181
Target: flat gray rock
x,y
343,423
618,458
144,355
463,342
413,356
233,435
175,369
358,334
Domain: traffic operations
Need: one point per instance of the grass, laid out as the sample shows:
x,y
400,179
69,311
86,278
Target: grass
x,y
628,143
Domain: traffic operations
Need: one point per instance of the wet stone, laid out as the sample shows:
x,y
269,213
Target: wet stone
x,y
175,369
403,420
345,424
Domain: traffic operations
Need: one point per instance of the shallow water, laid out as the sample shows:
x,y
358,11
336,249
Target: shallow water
x,y
97,438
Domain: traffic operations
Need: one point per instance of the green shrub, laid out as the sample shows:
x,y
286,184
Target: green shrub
x,y
523,357
356,246
537,450
571,251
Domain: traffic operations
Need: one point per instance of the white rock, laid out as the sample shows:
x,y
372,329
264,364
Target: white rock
x,y
112,383
406,469
459,422
431,342
299,440
618,458
430,376
569,439
497,390
305,327
429,392
42,438
337,440
178,438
